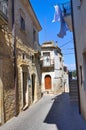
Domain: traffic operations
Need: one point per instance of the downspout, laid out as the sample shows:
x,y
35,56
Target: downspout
x,y
14,56
76,60
13,17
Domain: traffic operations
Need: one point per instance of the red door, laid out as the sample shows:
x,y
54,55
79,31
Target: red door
x,y
47,82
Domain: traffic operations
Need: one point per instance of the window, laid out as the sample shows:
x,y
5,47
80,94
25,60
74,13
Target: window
x,y
60,59
60,68
22,23
81,73
46,56
78,3
33,59
56,52
34,35
4,7
23,56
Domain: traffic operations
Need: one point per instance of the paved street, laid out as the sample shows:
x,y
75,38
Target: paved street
x,y
50,113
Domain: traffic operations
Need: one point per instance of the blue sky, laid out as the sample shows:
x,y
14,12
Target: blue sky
x,y
45,12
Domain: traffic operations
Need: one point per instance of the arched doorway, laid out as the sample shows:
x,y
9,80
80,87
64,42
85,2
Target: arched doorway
x,y
47,82
33,86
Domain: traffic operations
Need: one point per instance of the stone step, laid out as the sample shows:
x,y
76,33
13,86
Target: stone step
x,y
72,90
73,84
74,95
72,87
73,100
51,92
48,92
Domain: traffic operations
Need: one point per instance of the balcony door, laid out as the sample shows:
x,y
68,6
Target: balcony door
x,y
46,61
48,82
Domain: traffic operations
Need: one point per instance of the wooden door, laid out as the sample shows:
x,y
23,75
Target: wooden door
x,y
47,82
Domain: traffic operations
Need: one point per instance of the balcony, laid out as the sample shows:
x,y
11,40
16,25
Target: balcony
x,y
3,11
48,62
66,11
47,65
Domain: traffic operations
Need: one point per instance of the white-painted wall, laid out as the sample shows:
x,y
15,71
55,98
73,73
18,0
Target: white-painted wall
x,y
79,12
57,74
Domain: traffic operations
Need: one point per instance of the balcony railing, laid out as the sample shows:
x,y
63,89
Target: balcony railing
x,y
48,63
4,8
66,8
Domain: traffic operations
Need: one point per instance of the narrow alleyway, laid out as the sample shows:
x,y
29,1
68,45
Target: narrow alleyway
x,y
50,113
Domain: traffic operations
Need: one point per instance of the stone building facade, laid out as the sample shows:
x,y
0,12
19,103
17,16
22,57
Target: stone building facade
x,y
52,68
66,80
79,31
20,76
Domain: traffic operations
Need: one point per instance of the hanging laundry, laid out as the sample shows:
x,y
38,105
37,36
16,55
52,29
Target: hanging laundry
x,y
59,18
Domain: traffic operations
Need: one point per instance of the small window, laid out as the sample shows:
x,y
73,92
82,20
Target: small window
x,y
33,59
23,56
60,68
22,23
60,59
34,35
81,73
56,52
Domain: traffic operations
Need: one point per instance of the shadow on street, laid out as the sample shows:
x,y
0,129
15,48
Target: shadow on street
x,y
65,114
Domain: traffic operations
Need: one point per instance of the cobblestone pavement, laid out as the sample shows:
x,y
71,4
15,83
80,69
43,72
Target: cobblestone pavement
x,y
50,113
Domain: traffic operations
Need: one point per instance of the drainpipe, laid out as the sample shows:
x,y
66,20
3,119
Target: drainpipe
x,y
14,56
76,60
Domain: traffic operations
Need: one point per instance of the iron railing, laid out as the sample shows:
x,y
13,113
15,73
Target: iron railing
x,y
48,62
66,8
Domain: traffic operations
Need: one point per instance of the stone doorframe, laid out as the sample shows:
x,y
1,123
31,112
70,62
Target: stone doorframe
x,y
34,84
48,84
1,95
24,69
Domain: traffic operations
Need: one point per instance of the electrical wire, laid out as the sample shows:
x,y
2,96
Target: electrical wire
x,y
69,54
66,43
68,49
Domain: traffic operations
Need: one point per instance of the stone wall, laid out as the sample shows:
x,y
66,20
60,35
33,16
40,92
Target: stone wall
x,y
79,9
13,99
7,75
